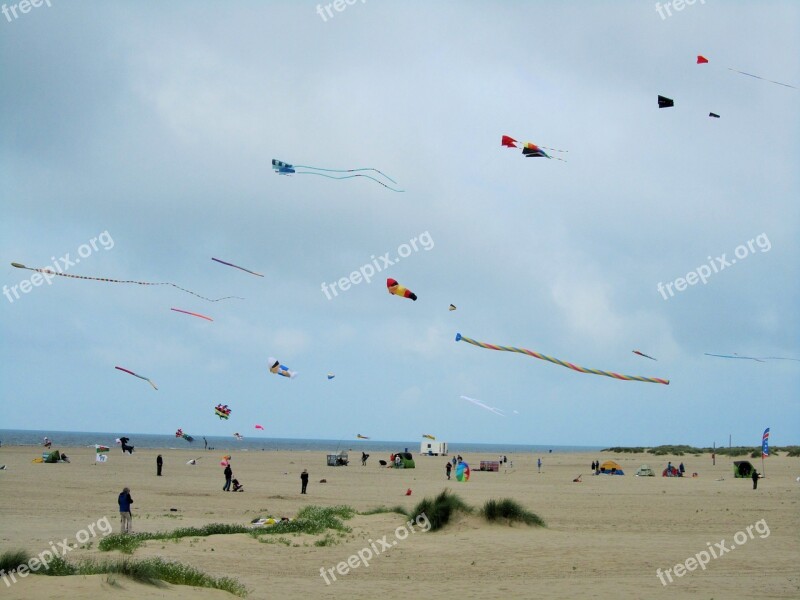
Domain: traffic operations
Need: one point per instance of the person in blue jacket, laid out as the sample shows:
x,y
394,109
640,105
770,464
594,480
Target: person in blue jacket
x,y
125,516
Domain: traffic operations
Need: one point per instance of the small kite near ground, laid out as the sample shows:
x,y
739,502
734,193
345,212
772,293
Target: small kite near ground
x,y
361,437
462,471
186,436
664,102
640,353
529,149
186,312
139,376
282,168
557,361
496,411
222,411
702,60
276,367
237,267
398,290
452,307
105,279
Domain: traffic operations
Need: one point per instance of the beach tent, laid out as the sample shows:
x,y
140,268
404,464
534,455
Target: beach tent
x,y
404,460
673,473
53,457
742,469
611,468
645,471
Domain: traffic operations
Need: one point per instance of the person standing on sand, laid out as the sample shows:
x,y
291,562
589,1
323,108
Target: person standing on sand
x,y
159,464
448,468
539,464
755,479
303,481
228,477
125,516
205,443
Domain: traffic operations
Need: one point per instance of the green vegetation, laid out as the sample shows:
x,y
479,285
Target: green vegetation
x,y
440,509
11,559
151,571
681,450
385,509
312,520
621,450
128,542
511,510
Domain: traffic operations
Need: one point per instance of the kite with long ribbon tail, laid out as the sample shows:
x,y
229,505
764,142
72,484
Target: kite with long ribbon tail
x,y
702,60
236,267
495,410
186,312
47,272
557,361
186,436
282,168
755,358
139,376
640,353
529,149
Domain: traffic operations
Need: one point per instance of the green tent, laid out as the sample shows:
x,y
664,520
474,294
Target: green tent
x,y
404,460
645,471
53,457
742,469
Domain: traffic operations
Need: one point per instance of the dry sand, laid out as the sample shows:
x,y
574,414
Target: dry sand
x,y
605,537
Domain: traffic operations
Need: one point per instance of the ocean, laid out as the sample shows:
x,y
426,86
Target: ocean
x,y
254,442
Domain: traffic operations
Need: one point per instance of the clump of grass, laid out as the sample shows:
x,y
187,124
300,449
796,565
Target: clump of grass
x,y
440,509
379,510
151,571
312,520
124,542
128,542
11,559
280,540
510,510
328,540
59,567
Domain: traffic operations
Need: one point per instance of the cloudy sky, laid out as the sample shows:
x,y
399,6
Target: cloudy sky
x,y
151,126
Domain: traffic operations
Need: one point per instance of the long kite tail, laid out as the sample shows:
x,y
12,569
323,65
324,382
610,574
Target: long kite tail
x,y
236,266
388,187
734,356
345,170
137,375
557,361
51,272
762,78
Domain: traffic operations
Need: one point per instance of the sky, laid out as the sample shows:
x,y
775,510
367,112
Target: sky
x,y
148,129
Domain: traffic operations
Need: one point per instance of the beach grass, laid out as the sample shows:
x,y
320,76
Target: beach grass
x,y
511,511
440,509
11,559
312,520
379,510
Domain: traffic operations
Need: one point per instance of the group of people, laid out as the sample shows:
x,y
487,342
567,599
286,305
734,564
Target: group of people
x,y
675,472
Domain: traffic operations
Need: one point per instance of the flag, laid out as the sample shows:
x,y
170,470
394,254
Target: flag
x,y
100,449
101,457
765,444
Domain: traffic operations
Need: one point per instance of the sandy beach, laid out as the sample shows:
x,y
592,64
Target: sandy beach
x,y
605,537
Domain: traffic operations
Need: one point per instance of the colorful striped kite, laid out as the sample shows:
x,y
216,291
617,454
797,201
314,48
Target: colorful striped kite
x,y
139,376
47,272
222,411
186,312
529,149
186,436
236,267
556,361
398,290
282,168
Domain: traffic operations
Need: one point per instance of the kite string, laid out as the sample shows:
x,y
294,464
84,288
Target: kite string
x,y
562,363
348,177
762,78
344,170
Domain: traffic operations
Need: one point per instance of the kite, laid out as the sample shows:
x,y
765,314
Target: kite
x,y
238,436
452,307
428,436
361,437
193,461
260,427
139,376
331,375
277,368
715,115
398,290
664,102
702,60
529,149
225,460
496,411
186,436
186,312
282,168
222,411
236,267
556,361
51,272
462,471
640,353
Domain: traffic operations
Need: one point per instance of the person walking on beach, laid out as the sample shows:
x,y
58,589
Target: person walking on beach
x,y
205,443
539,464
364,457
228,477
159,464
303,481
755,479
125,516
448,468
681,470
